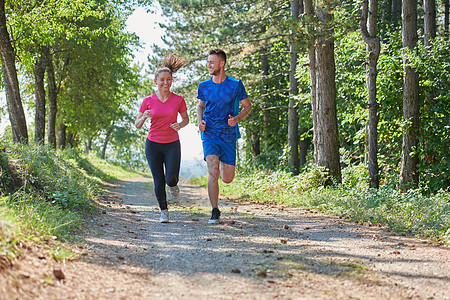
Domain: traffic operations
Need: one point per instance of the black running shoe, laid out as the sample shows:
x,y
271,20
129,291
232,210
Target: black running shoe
x,y
215,216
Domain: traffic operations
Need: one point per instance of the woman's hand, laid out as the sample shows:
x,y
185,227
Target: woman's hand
x,y
142,117
147,114
175,126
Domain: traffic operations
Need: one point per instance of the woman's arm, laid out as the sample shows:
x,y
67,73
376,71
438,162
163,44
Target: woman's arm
x,y
183,123
141,117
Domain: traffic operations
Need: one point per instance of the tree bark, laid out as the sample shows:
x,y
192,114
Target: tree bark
x,y
429,21
62,140
446,17
11,82
264,59
293,92
409,175
105,142
327,130
369,32
309,11
52,104
39,87
396,9
88,145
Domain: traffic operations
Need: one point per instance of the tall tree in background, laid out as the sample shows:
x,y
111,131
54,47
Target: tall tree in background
x,y
8,57
369,34
309,13
446,17
327,142
293,92
409,174
396,9
52,101
429,7
39,91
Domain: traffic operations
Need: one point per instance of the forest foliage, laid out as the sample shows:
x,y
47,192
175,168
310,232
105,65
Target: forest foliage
x,y
98,87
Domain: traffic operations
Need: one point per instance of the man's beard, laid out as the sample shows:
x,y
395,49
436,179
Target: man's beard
x,y
214,72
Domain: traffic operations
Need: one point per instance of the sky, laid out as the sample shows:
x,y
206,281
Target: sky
x,y
145,25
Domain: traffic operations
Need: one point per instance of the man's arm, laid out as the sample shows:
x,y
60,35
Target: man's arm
x,y
232,121
200,109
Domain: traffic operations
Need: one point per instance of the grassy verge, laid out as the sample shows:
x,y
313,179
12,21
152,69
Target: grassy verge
x,y
45,195
414,212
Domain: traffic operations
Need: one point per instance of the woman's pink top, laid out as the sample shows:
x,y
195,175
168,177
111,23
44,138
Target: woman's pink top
x,y
163,114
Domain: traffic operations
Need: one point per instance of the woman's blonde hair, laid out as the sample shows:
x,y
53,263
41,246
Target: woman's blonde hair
x,y
171,64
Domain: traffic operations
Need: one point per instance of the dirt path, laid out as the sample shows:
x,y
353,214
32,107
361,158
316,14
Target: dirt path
x,y
257,252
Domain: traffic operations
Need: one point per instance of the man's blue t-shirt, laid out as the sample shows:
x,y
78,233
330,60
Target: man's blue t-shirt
x,y
222,100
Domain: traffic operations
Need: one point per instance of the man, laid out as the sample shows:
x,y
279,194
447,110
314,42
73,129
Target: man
x,y
218,117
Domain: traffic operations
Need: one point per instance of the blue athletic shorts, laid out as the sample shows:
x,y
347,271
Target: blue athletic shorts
x,y
226,151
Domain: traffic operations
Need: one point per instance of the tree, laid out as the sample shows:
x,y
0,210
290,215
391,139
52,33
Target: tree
x,y
8,58
446,17
396,9
429,21
326,142
52,101
293,92
309,12
369,33
409,175
39,87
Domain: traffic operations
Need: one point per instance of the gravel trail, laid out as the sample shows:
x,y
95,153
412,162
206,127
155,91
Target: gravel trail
x,y
259,251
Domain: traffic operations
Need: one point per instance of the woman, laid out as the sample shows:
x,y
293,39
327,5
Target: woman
x,y
162,147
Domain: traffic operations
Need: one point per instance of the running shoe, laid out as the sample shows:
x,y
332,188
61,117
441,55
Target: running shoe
x,y
174,191
164,216
215,216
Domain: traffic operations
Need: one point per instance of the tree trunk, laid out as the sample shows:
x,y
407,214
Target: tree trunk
x,y
309,11
293,92
88,145
39,86
429,21
396,9
266,131
265,72
105,142
62,136
255,144
369,32
327,130
304,144
446,17
409,175
11,82
52,105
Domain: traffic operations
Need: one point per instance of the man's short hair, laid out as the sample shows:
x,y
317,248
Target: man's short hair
x,y
220,53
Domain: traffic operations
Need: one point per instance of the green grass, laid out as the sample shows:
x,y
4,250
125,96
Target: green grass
x,y
46,195
415,212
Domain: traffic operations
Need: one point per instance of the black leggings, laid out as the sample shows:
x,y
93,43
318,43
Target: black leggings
x,y
160,155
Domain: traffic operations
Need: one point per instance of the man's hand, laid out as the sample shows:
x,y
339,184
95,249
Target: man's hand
x,y
232,121
202,125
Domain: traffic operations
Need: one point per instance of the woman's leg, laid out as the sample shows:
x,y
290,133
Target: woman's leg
x,y
172,160
155,158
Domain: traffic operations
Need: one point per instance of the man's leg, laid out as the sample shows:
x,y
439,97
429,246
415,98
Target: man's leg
x,y
213,179
227,172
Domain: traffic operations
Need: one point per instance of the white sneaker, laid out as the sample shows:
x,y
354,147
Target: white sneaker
x,y
164,216
174,191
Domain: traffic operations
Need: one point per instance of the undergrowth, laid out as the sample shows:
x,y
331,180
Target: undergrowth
x,y
416,212
46,194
